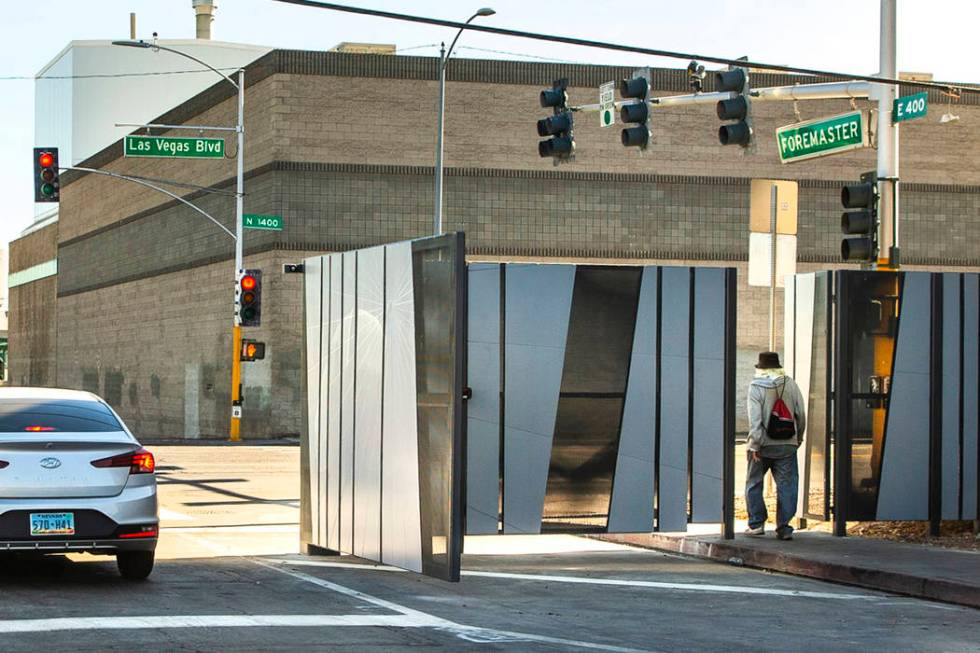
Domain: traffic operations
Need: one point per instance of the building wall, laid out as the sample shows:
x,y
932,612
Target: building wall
x,y
326,152
32,330
159,350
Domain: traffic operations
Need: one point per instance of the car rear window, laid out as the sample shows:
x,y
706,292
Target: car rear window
x,y
56,416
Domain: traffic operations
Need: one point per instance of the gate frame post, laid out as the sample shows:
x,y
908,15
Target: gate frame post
x,y
728,460
842,405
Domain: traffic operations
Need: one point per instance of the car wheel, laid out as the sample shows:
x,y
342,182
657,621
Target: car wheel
x,y
135,565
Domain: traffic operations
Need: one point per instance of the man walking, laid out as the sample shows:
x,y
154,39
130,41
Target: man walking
x,y
777,421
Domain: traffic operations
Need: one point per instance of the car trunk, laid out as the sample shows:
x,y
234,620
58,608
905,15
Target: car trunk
x,y
46,466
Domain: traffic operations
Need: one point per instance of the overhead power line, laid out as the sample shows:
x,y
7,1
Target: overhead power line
x,y
605,45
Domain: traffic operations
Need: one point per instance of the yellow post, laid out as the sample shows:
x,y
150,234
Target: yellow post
x,y
236,385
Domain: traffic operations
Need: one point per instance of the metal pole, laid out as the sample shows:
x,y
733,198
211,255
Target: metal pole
x,y
887,141
773,194
236,359
437,222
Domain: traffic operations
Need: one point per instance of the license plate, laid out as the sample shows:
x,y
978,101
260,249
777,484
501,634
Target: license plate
x,y
52,523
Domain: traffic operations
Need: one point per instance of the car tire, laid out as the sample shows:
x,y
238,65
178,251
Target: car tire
x,y
135,565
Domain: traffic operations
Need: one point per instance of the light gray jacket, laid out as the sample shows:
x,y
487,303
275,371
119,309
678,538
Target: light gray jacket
x,y
763,392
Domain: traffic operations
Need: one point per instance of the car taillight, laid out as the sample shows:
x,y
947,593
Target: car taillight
x,y
139,462
36,428
139,531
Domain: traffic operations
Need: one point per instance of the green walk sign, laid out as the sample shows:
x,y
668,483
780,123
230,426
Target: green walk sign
x,y
267,222
167,147
822,137
909,107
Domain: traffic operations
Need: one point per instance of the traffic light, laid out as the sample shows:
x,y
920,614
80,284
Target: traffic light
x,y
47,187
561,144
252,350
250,298
860,219
734,80
638,112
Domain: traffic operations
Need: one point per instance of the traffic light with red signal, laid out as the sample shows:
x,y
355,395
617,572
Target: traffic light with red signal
x,y
47,187
249,298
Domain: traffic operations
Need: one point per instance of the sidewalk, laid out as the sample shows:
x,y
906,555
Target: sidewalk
x,y
915,570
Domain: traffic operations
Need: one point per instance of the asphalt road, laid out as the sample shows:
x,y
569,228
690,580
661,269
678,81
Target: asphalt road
x,y
229,578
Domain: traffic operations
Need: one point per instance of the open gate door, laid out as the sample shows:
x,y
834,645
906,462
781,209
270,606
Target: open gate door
x,y
381,459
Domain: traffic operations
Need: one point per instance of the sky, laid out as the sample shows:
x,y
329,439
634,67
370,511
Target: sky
x,y
837,35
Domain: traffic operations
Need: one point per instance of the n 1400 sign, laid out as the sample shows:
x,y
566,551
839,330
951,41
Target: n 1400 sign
x,y
161,146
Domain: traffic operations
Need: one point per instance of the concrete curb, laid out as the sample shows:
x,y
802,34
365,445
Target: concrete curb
x,y
732,552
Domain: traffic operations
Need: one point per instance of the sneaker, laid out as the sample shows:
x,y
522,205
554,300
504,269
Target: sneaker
x,y
784,533
756,532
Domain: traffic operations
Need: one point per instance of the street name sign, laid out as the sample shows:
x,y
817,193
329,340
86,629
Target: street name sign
x,y
267,222
909,107
607,104
168,147
822,137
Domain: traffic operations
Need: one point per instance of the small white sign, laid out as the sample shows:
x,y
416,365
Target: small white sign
x,y
236,412
607,104
760,251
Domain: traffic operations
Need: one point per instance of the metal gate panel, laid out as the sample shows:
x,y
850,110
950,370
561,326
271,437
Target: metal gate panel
x,y
381,462
369,351
904,488
347,380
313,273
483,408
538,300
969,390
335,340
802,338
675,401
631,506
401,536
708,385
952,351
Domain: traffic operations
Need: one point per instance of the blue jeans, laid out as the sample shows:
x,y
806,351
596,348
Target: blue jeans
x,y
787,476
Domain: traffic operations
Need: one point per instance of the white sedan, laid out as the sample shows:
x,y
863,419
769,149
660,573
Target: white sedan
x,y
73,478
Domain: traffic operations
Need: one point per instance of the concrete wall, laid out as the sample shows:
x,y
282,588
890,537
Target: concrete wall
x,y
32,326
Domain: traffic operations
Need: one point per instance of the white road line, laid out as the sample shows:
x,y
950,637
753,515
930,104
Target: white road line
x,y
340,589
255,528
208,621
693,587
469,633
336,565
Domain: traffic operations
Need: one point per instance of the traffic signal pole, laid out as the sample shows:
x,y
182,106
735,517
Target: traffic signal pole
x,y
888,256
236,363
234,431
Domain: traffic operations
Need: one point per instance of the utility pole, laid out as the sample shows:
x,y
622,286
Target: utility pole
x,y
888,254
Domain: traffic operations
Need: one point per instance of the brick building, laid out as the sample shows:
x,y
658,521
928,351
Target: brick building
x,y
342,145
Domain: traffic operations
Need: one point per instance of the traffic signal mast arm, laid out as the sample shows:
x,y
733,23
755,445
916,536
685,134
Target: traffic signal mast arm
x,y
823,91
142,182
